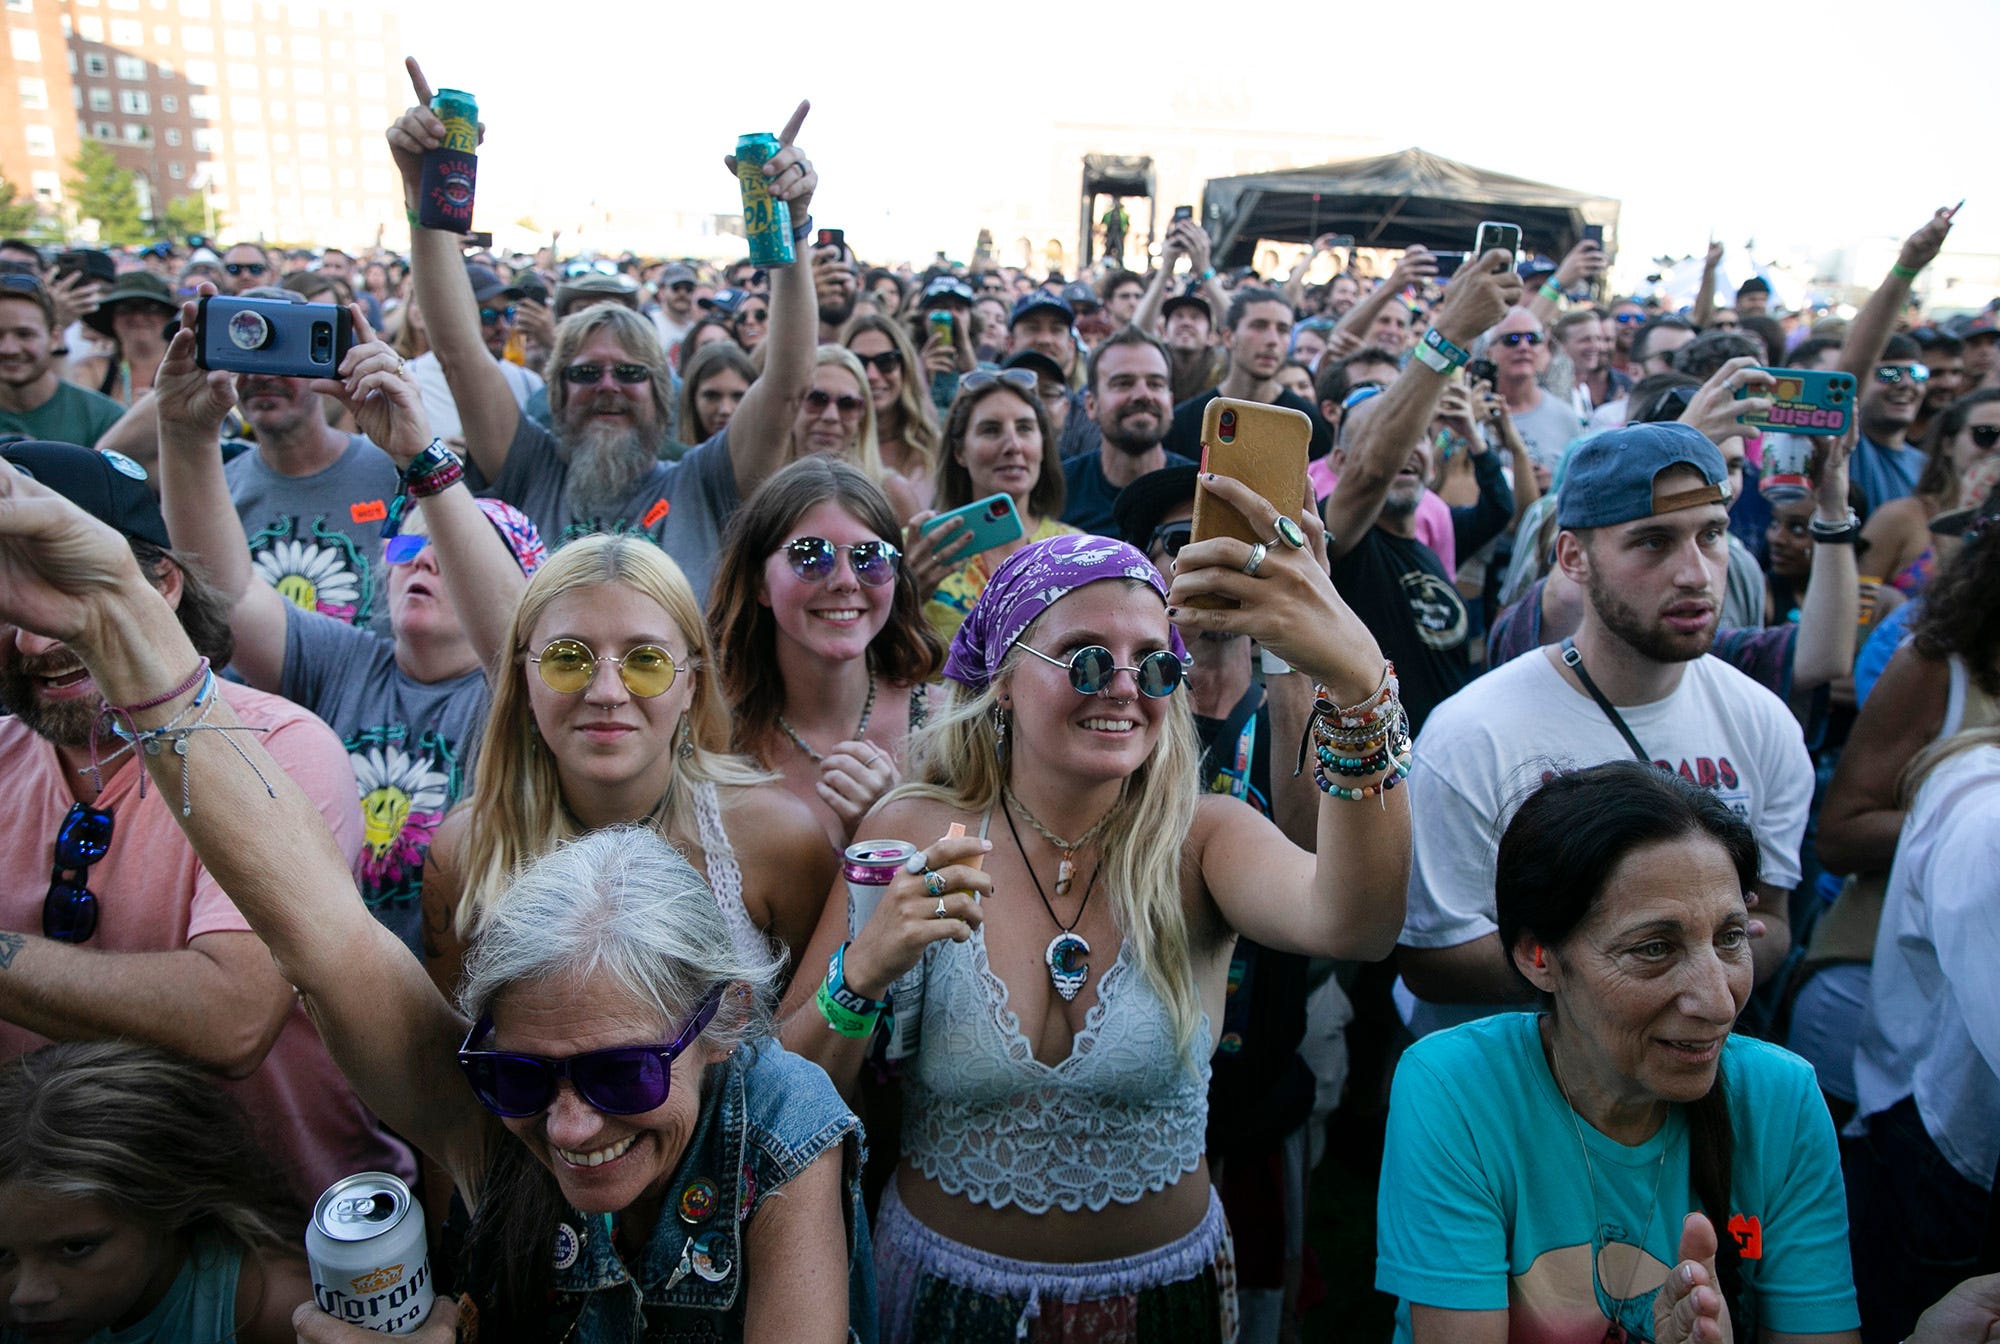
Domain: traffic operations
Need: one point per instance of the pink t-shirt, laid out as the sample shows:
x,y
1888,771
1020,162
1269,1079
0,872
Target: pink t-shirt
x,y
153,895
1433,514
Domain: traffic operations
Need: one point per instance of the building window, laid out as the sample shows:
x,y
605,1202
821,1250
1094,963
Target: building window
x,y
35,94
90,28
204,106
100,100
96,64
277,77
311,114
163,35
309,81
202,73
169,104
165,69
48,185
207,140
173,134
131,68
41,142
198,39
242,75
128,33
194,9
236,11
176,171
305,48
104,130
246,110
138,134
237,42
134,103
21,6
26,46
312,146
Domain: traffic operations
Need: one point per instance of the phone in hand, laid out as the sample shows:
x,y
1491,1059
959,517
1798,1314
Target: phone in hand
x,y
272,337
477,242
1483,371
1803,401
1183,212
830,238
1262,446
1594,233
1448,263
1494,234
992,521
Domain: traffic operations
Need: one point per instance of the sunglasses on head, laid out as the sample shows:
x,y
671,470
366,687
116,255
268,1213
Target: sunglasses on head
x,y
886,362
1984,437
1361,393
1092,667
1891,374
489,316
624,1080
26,284
847,404
69,911
590,375
980,379
245,267
814,559
1522,338
1170,537
568,666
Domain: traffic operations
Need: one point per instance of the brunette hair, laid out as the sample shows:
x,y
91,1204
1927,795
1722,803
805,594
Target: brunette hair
x,y
742,627
1959,615
708,361
1937,482
954,482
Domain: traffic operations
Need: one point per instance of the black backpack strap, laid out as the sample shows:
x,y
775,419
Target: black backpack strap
x,y
1574,661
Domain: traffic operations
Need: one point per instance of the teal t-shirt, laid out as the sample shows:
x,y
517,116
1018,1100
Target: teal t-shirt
x,y
73,415
1486,1202
200,1304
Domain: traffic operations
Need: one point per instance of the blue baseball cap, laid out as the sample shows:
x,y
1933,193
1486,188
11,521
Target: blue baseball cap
x,y
1035,301
1609,478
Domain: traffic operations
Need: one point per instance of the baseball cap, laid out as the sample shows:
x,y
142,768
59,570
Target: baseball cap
x,y
1756,284
1080,297
1610,476
725,302
1036,301
948,287
108,486
675,274
1981,324
1187,301
487,284
1034,360
1139,505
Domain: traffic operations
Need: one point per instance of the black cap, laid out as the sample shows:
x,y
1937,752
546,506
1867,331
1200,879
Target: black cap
x,y
487,284
1140,505
1041,364
1186,301
108,486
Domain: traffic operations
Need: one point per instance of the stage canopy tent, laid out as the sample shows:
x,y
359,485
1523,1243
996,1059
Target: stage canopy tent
x,y
1393,201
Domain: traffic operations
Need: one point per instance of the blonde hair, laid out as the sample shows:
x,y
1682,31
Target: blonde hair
x,y
956,760
516,811
867,452
1936,754
921,434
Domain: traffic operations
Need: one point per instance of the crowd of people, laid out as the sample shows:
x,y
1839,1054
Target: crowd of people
x,y
741,786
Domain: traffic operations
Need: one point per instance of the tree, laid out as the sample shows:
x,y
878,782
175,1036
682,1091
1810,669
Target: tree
x,y
186,217
108,194
17,217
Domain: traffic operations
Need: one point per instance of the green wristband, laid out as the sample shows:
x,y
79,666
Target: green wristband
x,y
1551,293
1905,272
856,1026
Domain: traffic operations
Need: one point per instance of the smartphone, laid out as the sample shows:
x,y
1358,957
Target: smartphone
x,y
1448,263
272,337
989,522
1805,401
830,238
1182,212
90,264
1262,446
475,242
1493,234
1594,233
1483,371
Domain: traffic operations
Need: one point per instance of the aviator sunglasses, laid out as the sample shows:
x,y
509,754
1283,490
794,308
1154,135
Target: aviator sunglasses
x,y
1092,667
590,375
568,666
69,912
625,1080
815,559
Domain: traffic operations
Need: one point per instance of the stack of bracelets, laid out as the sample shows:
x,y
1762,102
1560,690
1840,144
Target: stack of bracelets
x,y
1360,741
431,472
845,1011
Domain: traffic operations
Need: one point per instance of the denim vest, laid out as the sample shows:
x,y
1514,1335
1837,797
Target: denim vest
x,y
765,1116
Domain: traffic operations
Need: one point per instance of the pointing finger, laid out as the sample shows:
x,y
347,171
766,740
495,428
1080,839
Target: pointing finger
x,y
786,136
417,80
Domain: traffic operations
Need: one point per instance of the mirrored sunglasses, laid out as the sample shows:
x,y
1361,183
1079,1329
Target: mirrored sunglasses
x,y
589,375
1092,667
488,316
404,547
1522,338
1891,374
568,666
814,559
69,911
245,267
624,1080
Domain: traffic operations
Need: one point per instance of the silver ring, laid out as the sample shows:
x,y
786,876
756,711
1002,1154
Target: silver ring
x,y
934,884
1257,553
940,912
1290,533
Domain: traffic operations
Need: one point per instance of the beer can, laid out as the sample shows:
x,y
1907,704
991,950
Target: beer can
x,y
767,221
451,171
365,1247
869,868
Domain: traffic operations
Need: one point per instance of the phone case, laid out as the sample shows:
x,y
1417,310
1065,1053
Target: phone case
x,y
991,521
1262,446
271,337
1492,233
1805,401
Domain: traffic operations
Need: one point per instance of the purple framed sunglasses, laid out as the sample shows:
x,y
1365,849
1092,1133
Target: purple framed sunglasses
x,y
624,1080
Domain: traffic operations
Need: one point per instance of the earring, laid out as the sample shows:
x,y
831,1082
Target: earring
x,y
999,731
685,749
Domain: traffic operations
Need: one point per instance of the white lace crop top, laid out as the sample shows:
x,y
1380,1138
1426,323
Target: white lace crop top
x,y
725,879
1121,1117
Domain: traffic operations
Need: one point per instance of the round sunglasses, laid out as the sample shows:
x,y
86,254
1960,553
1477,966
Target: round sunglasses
x,y
1092,667
815,559
624,1080
568,666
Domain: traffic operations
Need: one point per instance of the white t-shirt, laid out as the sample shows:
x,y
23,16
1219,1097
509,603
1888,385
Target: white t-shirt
x,y
1486,748
1933,1024
428,374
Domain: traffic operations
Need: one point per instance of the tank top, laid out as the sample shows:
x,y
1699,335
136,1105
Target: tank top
x,y
199,1308
725,879
1121,1117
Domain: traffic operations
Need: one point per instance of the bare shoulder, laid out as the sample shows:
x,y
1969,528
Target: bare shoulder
x,y
909,817
447,849
768,812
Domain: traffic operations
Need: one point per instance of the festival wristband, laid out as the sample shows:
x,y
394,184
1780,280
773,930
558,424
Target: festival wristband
x,y
1551,293
1904,272
836,986
803,230
855,1026
1439,353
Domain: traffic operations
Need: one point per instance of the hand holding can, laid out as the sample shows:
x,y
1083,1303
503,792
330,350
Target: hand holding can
x,y
777,182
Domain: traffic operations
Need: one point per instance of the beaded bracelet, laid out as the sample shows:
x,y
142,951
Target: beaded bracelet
x,y
1377,790
174,735
855,1026
1336,727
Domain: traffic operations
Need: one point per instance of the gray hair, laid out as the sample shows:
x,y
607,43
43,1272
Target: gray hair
x,y
624,905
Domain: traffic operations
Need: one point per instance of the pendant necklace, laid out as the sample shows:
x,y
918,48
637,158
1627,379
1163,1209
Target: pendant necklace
x,y
1066,869
867,710
1067,955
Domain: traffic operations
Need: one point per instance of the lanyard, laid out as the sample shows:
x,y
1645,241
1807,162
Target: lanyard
x,y
1574,661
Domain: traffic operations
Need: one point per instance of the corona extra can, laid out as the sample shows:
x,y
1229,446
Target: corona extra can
x,y
767,221
869,868
451,171
365,1246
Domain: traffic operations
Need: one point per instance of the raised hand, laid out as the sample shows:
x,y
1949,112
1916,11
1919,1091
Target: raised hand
x,y
789,172
1715,410
382,396
416,131
185,395
1920,249
907,920
1478,296
59,567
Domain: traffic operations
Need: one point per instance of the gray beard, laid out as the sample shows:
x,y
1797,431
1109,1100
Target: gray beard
x,y
606,464
1398,505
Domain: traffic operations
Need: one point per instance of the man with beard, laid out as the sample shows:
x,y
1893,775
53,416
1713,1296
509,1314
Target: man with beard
x,y
836,277
1126,398
674,314
311,498
1257,334
598,468
246,266
140,942
34,399
1944,355
1645,526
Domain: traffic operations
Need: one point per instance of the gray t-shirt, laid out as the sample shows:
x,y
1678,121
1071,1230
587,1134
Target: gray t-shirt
x,y
316,538
1548,429
411,744
680,506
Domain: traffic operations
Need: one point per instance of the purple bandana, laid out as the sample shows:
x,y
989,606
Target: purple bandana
x,y
1032,580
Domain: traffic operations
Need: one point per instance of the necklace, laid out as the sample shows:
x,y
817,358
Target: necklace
x,y
651,819
867,710
1616,1331
1066,869
1067,955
